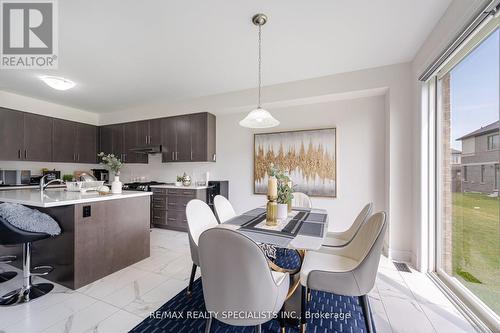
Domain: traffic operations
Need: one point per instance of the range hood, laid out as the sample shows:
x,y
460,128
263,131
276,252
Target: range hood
x,y
150,149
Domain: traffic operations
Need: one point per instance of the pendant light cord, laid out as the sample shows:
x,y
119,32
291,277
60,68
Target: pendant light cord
x,y
260,62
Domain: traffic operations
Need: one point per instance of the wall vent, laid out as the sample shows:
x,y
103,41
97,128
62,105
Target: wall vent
x,y
402,267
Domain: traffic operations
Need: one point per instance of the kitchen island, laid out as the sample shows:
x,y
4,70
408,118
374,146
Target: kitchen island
x,y
101,234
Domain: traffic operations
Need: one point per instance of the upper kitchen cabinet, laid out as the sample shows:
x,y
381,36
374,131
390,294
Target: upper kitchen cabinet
x,y
64,138
74,142
189,138
11,135
106,139
176,139
37,138
149,132
132,138
202,131
86,143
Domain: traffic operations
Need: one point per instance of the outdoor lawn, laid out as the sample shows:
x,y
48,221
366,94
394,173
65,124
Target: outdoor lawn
x,y
476,245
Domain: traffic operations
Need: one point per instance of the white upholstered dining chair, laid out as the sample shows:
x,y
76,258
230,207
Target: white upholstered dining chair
x,y
301,200
349,270
199,218
223,209
237,277
339,239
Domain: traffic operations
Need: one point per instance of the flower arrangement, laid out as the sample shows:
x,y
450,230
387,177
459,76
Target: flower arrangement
x,y
111,162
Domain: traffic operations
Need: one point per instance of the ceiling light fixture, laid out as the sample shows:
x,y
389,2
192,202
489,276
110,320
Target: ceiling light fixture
x,y
259,118
58,83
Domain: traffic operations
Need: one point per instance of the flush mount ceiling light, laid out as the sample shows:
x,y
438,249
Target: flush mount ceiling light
x,y
259,118
58,83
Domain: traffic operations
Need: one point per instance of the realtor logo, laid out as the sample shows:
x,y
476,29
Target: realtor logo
x,y
29,34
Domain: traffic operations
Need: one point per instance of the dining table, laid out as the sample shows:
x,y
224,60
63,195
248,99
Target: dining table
x,y
303,229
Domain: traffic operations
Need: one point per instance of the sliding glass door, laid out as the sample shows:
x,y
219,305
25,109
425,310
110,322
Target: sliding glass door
x,y
467,160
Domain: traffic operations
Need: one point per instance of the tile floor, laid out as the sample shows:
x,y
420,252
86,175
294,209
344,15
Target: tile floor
x,y
401,302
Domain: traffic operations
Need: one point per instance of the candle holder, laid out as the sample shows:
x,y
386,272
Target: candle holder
x,y
272,211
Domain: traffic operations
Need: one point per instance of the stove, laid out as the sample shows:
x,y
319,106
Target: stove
x,y
140,186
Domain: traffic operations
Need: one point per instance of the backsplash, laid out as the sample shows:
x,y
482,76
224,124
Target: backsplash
x,y
166,172
36,167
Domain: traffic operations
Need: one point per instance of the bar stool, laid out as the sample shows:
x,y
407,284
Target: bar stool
x,y
6,276
10,235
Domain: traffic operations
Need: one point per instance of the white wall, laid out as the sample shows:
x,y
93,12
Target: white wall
x,y
361,156
33,105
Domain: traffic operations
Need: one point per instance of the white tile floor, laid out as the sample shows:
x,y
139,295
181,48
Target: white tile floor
x,y
401,302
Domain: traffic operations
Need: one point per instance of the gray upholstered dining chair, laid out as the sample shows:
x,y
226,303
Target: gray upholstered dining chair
x,y
301,200
350,270
338,239
223,209
237,278
199,218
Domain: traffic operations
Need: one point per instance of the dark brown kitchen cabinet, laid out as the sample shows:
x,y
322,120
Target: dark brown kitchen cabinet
x,y
64,137
11,135
37,138
168,206
106,139
202,129
117,140
149,132
131,139
189,138
86,143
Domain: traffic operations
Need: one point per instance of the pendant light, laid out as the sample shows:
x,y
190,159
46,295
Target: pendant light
x,y
259,118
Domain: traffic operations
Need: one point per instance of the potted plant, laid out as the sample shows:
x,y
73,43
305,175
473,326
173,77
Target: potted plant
x,y
285,190
113,164
178,182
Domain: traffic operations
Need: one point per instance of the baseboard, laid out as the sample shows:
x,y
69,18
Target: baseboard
x,y
400,255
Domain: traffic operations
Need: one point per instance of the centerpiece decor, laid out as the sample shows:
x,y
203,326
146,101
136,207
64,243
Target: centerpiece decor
x,y
113,164
272,206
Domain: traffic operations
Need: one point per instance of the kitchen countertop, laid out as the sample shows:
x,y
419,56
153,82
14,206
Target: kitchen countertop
x,y
53,197
190,187
27,187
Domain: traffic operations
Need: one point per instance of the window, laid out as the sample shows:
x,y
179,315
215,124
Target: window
x,y
467,241
493,142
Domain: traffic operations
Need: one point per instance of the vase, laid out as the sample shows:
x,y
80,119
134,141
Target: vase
x,y
178,184
116,185
282,211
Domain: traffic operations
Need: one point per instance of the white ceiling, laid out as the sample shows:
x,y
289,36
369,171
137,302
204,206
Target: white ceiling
x,y
123,53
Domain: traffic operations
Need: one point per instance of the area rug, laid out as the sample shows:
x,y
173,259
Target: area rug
x,y
178,315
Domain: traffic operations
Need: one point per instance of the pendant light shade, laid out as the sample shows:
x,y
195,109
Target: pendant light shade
x,y
259,118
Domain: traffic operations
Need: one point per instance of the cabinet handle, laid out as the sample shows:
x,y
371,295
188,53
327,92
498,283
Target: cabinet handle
x,y
171,219
172,156
176,155
78,157
191,155
146,139
19,154
156,217
26,154
213,158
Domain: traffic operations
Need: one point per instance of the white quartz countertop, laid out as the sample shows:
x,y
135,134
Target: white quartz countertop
x,y
190,187
53,197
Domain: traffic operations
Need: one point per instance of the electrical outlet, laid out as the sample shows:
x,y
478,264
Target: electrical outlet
x,y
87,211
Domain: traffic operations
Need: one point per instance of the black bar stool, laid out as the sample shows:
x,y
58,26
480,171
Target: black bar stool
x,y
6,276
10,235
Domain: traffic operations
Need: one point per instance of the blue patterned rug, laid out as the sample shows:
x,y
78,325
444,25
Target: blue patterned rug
x,y
177,315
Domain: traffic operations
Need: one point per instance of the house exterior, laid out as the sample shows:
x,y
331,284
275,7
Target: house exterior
x,y
480,159
456,170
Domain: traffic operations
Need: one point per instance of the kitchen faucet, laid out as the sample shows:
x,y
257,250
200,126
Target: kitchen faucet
x,y
44,185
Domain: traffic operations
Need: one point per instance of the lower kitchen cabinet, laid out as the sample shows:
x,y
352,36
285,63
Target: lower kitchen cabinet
x,y
168,206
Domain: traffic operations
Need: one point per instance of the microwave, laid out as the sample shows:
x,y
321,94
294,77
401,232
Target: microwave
x,y
15,177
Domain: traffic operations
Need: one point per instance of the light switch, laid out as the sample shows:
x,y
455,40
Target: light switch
x,y
87,211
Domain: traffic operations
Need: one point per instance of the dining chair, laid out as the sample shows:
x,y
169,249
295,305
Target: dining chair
x,y
199,218
339,239
237,279
301,200
223,208
350,270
